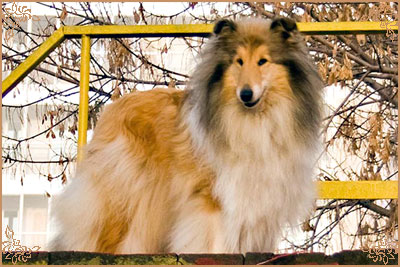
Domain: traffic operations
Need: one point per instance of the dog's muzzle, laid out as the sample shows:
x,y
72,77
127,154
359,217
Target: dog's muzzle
x,y
246,96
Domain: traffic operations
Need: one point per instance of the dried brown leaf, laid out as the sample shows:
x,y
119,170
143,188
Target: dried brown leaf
x,y
63,178
172,84
116,94
136,17
361,39
165,49
307,227
334,51
63,14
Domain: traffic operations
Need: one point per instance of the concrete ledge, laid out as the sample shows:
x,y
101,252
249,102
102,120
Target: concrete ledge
x,y
211,259
356,257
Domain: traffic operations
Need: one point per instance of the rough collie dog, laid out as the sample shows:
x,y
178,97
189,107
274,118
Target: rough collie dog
x,y
220,167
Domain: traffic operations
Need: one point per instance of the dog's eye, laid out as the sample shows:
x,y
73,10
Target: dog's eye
x,y
262,61
240,61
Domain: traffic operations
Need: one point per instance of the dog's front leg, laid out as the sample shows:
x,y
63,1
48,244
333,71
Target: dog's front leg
x,y
198,229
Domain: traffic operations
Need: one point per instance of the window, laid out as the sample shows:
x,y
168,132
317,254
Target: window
x,y
30,225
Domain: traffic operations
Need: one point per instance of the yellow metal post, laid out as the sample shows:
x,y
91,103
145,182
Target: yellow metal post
x,y
84,95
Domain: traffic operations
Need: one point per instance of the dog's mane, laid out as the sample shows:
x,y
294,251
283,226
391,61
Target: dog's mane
x,y
206,78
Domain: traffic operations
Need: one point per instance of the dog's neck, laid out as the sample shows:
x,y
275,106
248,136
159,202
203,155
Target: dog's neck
x,y
234,136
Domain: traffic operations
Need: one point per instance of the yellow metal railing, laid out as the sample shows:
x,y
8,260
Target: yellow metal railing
x,y
358,189
327,190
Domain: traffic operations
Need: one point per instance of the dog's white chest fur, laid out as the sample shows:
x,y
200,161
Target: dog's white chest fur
x,y
263,181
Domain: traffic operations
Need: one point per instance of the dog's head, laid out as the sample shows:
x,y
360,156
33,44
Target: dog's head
x,y
254,49
251,65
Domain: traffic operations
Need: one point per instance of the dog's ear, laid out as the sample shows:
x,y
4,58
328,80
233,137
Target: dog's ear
x,y
224,26
286,26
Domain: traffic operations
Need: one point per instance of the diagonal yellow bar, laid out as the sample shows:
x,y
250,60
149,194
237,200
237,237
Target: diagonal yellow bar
x,y
32,61
358,189
84,95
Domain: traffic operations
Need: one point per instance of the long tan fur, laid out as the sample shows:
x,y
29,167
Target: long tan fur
x,y
196,170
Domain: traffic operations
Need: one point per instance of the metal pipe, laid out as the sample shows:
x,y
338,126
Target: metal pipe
x,y
84,96
307,28
32,61
357,189
114,31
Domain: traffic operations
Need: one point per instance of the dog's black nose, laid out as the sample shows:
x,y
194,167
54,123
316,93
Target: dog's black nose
x,y
246,94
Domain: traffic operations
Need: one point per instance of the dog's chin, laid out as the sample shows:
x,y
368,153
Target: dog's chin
x,y
251,105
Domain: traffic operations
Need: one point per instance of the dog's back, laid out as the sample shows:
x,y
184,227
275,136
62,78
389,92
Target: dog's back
x,y
124,197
